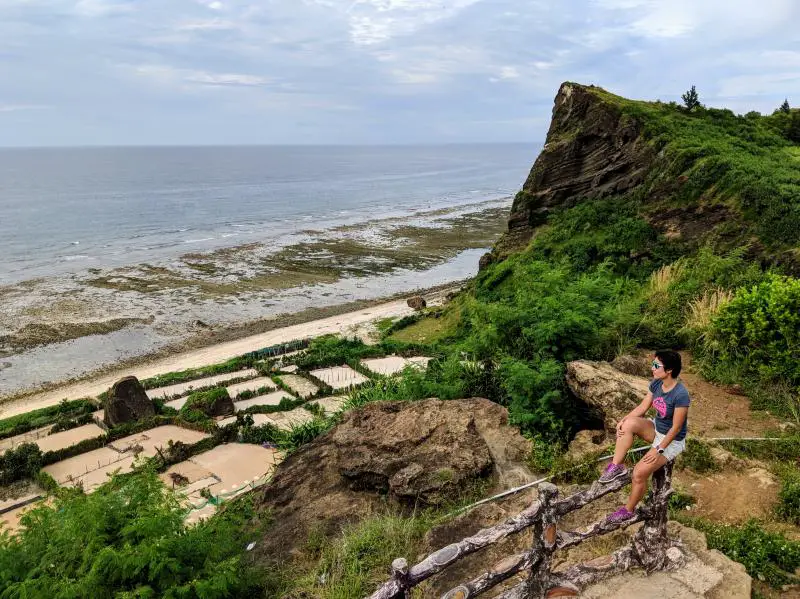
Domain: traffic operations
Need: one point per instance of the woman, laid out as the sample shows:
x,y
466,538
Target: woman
x,y
666,433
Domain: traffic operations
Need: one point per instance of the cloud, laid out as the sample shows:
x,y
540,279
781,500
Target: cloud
x,y
168,74
20,107
383,71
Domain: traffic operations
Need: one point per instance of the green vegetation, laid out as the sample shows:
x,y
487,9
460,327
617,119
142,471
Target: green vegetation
x,y
697,457
184,376
21,462
690,99
788,507
352,565
64,411
201,404
759,328
768,556
127,539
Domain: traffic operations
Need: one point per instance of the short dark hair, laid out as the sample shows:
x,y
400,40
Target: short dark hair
x,y
671,361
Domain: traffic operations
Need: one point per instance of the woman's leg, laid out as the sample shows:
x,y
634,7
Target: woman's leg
x,y
639,427
641,473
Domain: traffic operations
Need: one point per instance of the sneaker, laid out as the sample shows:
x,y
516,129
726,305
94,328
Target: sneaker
x,y
620,515
613,472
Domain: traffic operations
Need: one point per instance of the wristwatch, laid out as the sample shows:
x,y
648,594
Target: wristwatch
x,y
659,450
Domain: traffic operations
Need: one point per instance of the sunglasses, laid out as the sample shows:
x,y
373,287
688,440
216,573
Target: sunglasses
x,y
655,365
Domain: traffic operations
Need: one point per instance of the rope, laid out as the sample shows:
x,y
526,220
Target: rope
x,y
600,459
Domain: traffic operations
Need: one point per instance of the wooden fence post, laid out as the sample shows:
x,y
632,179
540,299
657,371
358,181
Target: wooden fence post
x,y
651,541
544,542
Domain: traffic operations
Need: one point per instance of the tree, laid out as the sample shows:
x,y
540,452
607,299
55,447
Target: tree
x,y
690,99
793,132
785,107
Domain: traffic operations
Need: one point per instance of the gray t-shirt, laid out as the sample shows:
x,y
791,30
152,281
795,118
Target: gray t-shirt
x,y
665,404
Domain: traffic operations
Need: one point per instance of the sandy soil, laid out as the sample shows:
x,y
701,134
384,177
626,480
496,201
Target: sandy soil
x,y
339,377
208,355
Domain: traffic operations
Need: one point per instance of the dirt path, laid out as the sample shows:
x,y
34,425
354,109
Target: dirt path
x,y
344,323
715,412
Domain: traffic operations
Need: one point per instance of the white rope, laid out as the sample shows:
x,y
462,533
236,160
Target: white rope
x,y
605,457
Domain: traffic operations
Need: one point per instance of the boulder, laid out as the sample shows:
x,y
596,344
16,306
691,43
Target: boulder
x,y
633,365
611,392
409,454
417,302
586,443
127,401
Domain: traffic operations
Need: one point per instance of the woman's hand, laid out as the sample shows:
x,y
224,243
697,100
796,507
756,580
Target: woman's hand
x,y
650,456
619,427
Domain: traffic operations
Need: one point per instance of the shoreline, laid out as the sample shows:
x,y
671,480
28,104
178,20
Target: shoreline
x,y
218,345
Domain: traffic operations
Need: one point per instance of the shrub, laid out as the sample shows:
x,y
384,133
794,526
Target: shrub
x,y
128,539
697,457
760,326
788,506
21,462
183,376
17,425
768,556
202,403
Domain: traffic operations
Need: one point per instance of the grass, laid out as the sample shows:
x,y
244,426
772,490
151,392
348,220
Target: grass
x,y
65,410
429,330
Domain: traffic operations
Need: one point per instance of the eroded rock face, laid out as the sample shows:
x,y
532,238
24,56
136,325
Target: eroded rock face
x,y
611,392
591,151
586,443
633,365
127,402
409,453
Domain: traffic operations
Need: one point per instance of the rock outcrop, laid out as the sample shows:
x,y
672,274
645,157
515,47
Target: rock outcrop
x,y
633,365
409,453
592,150
611,392
707,575
417,302
127,401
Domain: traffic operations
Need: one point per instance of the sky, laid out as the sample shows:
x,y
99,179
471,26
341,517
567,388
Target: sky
x,y
184,72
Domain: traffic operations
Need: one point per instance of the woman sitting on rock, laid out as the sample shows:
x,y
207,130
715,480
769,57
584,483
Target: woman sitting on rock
x,y
666,433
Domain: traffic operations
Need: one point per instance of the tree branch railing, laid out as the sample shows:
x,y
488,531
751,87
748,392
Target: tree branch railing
x,y
650,549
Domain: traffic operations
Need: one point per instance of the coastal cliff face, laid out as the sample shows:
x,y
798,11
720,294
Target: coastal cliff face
x,y
592,150
705,175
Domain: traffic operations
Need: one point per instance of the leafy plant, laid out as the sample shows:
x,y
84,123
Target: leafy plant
x,y
760,327
128,539
697,457
20,462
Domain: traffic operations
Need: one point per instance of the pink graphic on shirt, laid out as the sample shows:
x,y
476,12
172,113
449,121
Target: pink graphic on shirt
x,y
660,405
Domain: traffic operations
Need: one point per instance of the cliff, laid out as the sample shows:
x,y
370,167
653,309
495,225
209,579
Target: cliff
x,y
708,175
592,150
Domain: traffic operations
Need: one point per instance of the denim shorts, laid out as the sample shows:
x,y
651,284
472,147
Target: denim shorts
x,y
673,450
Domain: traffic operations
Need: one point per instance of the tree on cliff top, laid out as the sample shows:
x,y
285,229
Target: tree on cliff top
x,y
690,99
785,107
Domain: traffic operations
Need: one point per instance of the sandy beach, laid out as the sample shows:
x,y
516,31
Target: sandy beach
x,y
357,322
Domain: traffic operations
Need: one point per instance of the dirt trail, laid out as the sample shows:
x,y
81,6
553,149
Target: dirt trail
x,y
715,412
343,323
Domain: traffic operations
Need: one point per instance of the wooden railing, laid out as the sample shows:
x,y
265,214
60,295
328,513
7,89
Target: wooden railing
x,y
650,549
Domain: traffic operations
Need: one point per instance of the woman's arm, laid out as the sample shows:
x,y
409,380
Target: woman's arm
x,y
678,418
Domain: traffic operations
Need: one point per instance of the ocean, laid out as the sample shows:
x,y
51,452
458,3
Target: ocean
x,y
111,254
64,210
